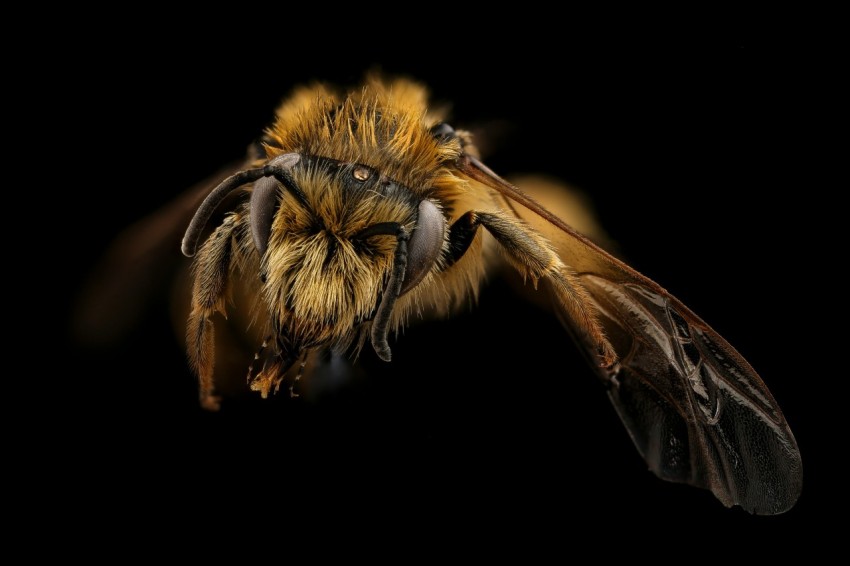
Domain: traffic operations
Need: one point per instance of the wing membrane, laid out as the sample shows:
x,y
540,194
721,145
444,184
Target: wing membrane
x,y
140,262
696,410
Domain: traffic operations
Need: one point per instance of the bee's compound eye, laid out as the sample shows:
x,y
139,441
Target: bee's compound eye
x,y
443,131
361,173
425,245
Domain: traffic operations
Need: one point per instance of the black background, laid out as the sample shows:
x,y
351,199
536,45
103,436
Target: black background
x,y
690,148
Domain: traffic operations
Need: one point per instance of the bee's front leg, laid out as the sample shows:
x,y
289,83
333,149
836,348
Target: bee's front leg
x,y
212,268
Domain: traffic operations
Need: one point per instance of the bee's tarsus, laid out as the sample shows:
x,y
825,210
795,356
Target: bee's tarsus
x,y
292,393
211,402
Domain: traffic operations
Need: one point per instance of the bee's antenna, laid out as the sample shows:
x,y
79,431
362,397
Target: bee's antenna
x,y
381,322
205,211
278,168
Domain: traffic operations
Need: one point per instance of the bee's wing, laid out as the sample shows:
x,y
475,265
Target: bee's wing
x,y
695,409
140,263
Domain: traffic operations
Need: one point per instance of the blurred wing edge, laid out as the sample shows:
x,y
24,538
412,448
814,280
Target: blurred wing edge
x,y
140,264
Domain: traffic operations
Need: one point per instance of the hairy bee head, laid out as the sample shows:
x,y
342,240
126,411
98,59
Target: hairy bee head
x,y
332,243
385,126
338,218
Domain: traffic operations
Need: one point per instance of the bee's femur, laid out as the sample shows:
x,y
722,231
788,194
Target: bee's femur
x,y
278,168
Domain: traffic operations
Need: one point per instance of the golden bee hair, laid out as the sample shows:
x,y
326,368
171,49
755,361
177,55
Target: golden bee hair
x,y
365,209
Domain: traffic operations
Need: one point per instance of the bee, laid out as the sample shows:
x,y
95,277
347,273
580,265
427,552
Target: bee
x,y
361,211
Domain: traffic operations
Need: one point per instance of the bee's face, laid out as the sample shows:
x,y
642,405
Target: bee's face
x,y
324,275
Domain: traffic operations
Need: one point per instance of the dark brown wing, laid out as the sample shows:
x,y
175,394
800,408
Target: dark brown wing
x,y
695,409
141,260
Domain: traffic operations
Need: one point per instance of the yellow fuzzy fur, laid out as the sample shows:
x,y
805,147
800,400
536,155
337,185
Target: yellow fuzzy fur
x,y
319,290
318,285
383,125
